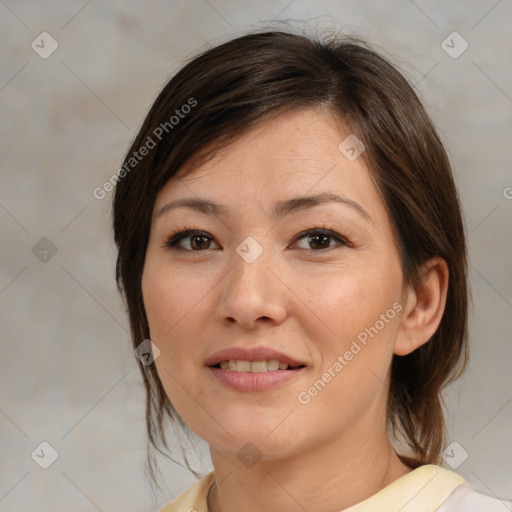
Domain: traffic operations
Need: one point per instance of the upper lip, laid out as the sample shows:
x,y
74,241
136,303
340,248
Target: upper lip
x,y
251,354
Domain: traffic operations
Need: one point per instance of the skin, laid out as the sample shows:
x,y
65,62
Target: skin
x,y
334,451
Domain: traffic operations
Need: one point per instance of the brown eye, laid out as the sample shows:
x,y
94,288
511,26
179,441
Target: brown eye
x,y
318,239
196,241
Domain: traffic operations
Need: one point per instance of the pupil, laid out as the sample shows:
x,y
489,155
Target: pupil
x,y
194,238
315,237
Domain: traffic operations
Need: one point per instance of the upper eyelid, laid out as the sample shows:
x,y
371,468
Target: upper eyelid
x,y
190,232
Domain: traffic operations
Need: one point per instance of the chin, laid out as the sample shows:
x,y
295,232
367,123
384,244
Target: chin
x,y
272,442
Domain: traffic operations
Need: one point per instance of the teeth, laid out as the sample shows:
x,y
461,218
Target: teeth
x,y
257,366
273,364
243,366
253,366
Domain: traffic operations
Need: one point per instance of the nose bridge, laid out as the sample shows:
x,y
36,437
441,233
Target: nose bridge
x,y
249,264
251,290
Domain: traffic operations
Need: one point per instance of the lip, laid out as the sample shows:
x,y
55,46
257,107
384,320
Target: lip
x,y
251,354
250,382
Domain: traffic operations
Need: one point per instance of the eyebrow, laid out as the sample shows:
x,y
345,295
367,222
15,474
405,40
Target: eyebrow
x,y
280,209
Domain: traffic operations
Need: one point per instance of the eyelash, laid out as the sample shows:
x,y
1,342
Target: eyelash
x,y
175,238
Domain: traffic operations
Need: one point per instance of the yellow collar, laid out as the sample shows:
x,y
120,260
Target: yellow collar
x,y
424,489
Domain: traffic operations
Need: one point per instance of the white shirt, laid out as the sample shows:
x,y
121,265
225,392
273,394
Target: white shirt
x,y
465,498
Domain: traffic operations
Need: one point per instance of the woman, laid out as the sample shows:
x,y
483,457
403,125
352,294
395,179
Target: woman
x,y
291,241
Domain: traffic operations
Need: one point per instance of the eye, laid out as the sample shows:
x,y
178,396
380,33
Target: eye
x,y
197,240
319,238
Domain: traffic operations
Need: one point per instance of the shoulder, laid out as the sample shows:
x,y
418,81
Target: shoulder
x,y
466,498
193,499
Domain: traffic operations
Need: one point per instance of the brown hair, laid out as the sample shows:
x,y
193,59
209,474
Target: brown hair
x,y
256,77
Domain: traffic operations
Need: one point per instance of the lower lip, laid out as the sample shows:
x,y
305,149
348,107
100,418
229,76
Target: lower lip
x,y
248,381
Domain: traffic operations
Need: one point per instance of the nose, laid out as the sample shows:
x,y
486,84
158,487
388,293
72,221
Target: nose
x,y
253,293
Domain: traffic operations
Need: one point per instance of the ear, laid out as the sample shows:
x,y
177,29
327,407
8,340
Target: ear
x,y
424,307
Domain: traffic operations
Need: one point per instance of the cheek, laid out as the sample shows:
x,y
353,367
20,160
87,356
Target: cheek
x,y
361,318
173,308
164,305
345,301
169,300
355,326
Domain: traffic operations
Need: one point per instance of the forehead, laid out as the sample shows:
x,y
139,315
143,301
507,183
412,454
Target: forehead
x,y
295,135
297,153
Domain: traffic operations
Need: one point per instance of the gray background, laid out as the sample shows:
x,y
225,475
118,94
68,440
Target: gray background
x,y
68,375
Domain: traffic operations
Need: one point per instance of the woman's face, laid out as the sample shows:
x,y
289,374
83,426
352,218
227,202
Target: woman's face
x,y
253,285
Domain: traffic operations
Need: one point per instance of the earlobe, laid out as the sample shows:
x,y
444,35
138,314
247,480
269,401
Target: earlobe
x,y
424,307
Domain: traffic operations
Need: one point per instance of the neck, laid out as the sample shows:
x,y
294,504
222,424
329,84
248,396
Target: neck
x,y
331,476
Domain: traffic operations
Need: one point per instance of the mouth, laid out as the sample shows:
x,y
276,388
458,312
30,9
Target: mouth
x,y
263,366
253,369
